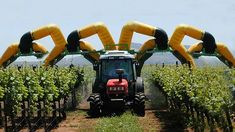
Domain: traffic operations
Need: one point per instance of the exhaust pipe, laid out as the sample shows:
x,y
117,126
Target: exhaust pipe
x,y
131,27
56,35
120,73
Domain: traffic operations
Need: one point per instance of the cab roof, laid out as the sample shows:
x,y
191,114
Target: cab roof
x,y
117,54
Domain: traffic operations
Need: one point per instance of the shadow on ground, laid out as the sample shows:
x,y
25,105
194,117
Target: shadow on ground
x,y
171,121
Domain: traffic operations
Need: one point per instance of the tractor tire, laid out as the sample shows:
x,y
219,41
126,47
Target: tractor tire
x,y
139,86
139,104
95,105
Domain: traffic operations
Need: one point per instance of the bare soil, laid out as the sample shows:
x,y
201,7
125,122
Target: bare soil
x,y
154,120
77,122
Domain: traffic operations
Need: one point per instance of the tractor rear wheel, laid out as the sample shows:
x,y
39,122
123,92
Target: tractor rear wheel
x,y
95,105
139,104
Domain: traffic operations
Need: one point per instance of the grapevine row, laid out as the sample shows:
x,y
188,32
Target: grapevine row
x,y
29,94
202,93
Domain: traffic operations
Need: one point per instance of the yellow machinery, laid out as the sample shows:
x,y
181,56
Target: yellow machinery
x,y
56,35
13,52
207,46
158,43
221,52
75,45
159,40
118,82
27,46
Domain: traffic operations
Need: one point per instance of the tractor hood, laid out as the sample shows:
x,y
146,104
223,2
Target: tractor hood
x,y
114,86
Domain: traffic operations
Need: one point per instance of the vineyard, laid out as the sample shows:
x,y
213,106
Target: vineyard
x,y
202,95
36,97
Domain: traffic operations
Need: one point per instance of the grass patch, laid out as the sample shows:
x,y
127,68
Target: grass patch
x,y
124,123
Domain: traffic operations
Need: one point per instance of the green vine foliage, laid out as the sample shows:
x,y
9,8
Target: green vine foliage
x,y
40,84
206,89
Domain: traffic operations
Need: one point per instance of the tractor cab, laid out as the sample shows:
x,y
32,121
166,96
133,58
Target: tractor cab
x,y
108,71
113,60
116,84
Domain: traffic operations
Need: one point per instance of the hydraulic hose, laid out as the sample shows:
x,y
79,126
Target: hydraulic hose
x,y
142,56
75,45
56,35
160,40
208,41
102,31
148,45
183,30
195,48
92,57
175,42
131,27
73,41
221,49
39,48
11,51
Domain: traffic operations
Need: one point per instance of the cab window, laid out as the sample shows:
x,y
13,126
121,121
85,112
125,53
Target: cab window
x,y
109,67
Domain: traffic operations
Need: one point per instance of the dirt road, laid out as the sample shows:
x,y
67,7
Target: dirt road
x,y
154,120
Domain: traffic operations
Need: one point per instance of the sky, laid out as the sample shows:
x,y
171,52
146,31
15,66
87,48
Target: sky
x,y
21,16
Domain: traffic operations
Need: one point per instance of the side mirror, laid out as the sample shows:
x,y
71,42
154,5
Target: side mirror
x,y
96,67
137,64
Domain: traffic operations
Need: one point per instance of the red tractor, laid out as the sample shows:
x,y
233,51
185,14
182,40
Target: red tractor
x,y
116,84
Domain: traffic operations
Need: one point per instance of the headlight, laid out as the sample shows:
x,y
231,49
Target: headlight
x,y
116,89
120,88
112,89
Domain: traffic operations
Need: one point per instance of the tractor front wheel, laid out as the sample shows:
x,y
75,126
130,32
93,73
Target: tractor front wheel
x,y
139,104
95,105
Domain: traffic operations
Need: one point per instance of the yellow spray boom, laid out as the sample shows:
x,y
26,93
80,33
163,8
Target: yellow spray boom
x,y
13,52
159,42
